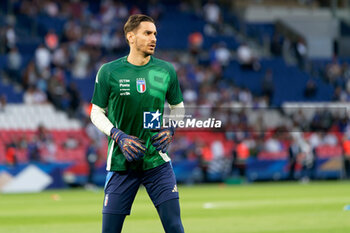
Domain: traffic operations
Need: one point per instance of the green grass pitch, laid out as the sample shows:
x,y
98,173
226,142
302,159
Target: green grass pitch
x,y
317,207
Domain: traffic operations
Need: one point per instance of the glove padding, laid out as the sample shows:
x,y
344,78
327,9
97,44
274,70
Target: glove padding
x,y
162,139
132,147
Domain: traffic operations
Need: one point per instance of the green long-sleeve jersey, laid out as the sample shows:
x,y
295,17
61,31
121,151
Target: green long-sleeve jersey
x,y
134,97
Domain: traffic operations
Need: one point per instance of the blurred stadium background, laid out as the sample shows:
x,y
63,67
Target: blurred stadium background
x,y
276,73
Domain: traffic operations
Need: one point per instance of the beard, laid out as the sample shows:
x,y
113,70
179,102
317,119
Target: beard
x,y
146,52
144,49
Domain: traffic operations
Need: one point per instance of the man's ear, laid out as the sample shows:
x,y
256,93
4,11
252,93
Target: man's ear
x,y
131,37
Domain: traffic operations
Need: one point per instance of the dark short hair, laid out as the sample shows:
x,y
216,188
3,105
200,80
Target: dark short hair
x,y
134,21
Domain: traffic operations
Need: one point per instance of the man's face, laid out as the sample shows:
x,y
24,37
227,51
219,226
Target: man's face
x,y
144,38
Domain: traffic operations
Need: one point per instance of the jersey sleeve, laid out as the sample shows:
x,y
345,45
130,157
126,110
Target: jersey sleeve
x,y
102,88
174,94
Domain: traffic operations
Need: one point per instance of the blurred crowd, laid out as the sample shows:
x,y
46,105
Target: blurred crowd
x,y
338,74
92,34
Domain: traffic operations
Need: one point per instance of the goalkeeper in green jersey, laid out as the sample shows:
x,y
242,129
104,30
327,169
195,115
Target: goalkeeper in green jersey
x,y
128,104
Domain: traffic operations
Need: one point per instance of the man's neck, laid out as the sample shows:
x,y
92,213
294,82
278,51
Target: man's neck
x,y
137,59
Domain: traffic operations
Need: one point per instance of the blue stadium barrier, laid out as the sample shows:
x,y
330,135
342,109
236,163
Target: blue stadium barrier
x,y
54,170
259,170
184,170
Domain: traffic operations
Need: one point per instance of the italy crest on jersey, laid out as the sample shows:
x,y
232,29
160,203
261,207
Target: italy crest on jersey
x,y
141,85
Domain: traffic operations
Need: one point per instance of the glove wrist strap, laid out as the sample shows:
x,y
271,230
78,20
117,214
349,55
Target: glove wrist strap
x,y
115,134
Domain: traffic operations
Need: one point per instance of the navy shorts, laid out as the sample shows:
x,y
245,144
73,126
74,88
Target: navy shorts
x,y
121,188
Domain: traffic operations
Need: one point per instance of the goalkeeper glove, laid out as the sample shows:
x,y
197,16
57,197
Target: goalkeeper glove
x,y
132,147
162,139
